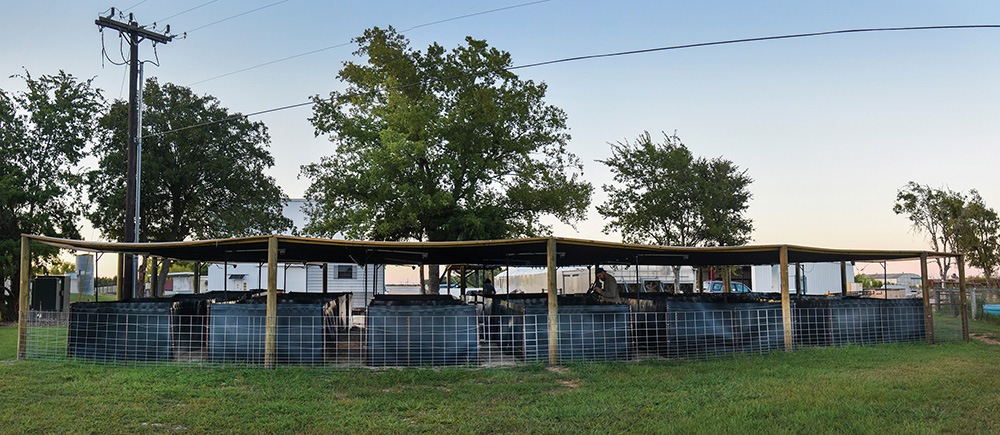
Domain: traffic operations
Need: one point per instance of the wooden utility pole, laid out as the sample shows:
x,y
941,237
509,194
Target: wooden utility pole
x,y
135,34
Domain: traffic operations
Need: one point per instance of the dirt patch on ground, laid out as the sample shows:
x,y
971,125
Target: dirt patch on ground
x,y
984,339
573,384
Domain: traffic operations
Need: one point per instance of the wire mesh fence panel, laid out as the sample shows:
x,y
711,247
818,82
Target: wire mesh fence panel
x,y
946,304
402,334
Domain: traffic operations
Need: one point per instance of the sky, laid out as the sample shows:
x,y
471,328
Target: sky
x,y
829,128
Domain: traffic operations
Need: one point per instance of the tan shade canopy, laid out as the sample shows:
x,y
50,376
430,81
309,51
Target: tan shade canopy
x,y
513,252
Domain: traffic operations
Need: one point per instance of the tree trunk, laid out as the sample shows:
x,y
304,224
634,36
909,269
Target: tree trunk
x,y
9,300
434,279
140,279
423,282
677,279
161,279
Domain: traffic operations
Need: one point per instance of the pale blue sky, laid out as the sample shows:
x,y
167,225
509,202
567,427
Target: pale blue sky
x,y
829,127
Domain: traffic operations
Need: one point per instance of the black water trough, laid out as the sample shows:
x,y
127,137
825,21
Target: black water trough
x,y
588,330
137,330
305,325
698,324
414,330
826,321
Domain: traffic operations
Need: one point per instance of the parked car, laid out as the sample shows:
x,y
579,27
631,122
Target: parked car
x,y
716,287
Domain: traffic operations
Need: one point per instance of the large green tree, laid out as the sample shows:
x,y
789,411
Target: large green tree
x,y
936,213
440,145
204,182
978,235
665,195
44,131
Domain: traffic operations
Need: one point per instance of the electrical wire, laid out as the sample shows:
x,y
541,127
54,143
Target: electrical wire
x,y
294,56
607,55
133,6
104,51
236,16
186,11
744,40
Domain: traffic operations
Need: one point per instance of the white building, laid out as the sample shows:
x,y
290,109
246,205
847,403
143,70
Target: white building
x,y
572,280
362,280
815,279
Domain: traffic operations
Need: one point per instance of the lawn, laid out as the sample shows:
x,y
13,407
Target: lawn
x,y
918,388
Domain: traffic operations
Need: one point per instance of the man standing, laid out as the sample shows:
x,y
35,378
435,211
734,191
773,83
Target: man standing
x,y
607,291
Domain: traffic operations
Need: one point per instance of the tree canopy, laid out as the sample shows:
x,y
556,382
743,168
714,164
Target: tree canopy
x,y
44,132
664,195
934,212
978,235
205,182
440,145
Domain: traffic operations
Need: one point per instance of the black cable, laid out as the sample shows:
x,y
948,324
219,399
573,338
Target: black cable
x,y
763,38
350,42
104,51
236,16
614,54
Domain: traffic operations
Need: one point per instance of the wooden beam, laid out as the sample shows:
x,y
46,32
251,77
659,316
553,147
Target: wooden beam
x,y
962,298
271,320
24,299
925,286
786,301
553,303
727,279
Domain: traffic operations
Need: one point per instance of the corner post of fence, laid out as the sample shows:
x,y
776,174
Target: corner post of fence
x,y
925,286
24,299
962,297
271,318
553,302
786,301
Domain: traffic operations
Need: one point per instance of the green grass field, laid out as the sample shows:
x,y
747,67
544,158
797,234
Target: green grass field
x,y
918,388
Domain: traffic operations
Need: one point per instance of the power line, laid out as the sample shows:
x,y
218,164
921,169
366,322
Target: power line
x,y
613,54
763,38
133,6
186,11
236,16
474,15
295,56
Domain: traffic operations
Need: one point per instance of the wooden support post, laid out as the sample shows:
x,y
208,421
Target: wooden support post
x,y
119,282
962,298
271,320
925,286
553,303
843,278
786,300
727,279
24,299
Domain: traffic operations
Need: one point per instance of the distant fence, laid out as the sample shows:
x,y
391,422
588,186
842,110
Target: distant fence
x,y
493,333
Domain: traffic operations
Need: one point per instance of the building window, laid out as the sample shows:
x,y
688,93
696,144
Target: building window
x,y
345,272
